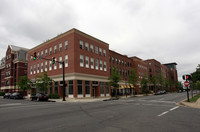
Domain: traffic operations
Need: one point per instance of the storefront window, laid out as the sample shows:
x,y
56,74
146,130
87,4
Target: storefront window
x,y
87,87
79,85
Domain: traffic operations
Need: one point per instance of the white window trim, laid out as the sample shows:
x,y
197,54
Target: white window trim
x,y
81,64
87,60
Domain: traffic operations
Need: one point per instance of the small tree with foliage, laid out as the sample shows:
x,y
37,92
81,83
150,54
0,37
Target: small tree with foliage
x,y
144,84
153,80
114,79
24,83
43,81
133,78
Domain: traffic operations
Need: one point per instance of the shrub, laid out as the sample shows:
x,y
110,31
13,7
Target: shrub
x,y
34,93
2,93
54,96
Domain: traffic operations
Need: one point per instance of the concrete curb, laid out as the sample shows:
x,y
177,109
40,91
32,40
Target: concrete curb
x,y
189,104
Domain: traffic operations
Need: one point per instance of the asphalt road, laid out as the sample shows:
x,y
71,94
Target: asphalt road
x,y
138,114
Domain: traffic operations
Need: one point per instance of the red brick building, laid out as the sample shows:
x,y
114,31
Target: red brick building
x,y
141,68
12,66
86,64
124,65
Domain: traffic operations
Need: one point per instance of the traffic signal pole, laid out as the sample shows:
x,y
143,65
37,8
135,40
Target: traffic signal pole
x,y
188,99
53,61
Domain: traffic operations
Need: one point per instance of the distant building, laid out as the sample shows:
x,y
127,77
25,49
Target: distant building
x,y
12,66
172,71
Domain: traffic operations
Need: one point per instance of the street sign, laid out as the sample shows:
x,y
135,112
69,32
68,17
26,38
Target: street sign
x,y
186,83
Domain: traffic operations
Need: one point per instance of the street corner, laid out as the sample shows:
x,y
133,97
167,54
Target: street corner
x,y
189,104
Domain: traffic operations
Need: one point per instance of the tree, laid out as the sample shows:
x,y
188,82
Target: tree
x,y
161,80
43,81
114,79
144,83
153,80
133,78
24,83
196,74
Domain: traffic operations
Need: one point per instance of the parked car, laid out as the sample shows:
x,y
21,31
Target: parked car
x,y
16,95
160,92
7,95
39,97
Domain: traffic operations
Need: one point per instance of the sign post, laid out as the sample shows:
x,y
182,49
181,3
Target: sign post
x,y
186,83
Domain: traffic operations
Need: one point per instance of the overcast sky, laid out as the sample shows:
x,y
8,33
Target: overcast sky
x,y
166,30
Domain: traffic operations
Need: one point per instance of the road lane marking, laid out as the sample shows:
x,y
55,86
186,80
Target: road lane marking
x,y
163,113
174,108
11,104
168,111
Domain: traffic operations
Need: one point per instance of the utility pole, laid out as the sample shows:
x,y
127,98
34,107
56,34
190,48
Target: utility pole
x,y
63,64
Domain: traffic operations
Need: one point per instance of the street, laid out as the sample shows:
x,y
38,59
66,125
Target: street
x,y
139,114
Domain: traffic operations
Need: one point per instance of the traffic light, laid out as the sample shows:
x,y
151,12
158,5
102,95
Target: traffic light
x,y
53,60
188,77
34,56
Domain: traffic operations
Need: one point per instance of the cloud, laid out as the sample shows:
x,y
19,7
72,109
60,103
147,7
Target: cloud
x,y
165,30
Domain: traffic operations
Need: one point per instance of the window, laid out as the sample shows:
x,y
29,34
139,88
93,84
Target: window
x,y
81,44
45,52
38,68
107,88
96,49
56,87
79,85
66,44
105,67
123,63
91,48
66,60
31,70
42,53
50,50
87,62
119,62
70,82
92,63
42,67
102,87
101,65
50,65
100,51
45,66
60,65
60,47
38,54
55,48
96,64
104,52
86,46
34,69
81,61
116,61
55,65
31,57
113,60
50,88
87,87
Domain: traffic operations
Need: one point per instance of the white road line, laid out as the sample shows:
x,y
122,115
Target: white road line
x,y
168,111
174,108
163,113
11,104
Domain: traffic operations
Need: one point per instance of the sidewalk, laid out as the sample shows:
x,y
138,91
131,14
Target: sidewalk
x,y
190,104
84,100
